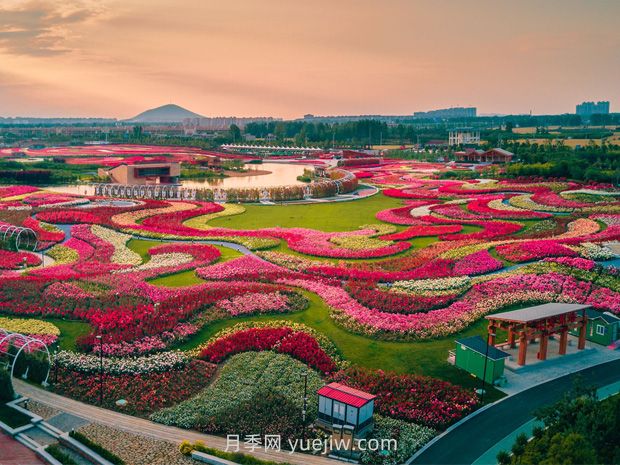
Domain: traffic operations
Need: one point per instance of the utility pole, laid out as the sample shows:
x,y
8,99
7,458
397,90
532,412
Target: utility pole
x,y
100,339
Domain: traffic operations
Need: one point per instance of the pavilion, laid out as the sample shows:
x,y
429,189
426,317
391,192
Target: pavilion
x,y
540,321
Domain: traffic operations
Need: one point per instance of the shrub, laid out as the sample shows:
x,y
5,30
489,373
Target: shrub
x,y
6,388
56,451
187,447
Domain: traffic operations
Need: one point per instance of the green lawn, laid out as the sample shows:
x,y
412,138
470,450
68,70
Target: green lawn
x,y
70,330
12,417
334,216
142,246
427,358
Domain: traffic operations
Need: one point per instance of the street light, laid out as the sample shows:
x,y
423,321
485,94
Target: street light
x,y
305,403
100,339
484,371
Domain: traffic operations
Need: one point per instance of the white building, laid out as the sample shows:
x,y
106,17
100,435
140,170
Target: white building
x,y
464,136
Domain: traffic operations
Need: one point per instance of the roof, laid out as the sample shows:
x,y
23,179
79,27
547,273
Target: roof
x,y
536,313
346,394
605,316
477,344
501,151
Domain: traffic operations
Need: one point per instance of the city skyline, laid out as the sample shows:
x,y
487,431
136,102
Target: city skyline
x,y
285,59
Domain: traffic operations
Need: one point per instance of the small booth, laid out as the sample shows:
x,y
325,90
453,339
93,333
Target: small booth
x,y
602,328
342,406
470,355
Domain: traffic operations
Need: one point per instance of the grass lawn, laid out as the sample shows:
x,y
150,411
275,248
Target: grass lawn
x,y
12,417
426,358
142,246
333,216
70,330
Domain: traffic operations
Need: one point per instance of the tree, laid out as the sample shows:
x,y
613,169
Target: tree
x,y
568,449
235,132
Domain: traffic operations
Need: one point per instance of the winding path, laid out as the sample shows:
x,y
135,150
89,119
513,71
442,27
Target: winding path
x,y
151,429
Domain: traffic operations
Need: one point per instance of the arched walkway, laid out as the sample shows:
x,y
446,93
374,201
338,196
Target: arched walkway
x,y
23,342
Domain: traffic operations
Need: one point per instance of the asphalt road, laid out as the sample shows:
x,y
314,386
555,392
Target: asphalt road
x,y
470,440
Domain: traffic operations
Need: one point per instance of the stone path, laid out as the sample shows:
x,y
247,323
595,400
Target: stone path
x,y
148,428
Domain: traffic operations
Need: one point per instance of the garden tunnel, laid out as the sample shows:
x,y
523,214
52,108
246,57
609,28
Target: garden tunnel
x,y
18,237
23,344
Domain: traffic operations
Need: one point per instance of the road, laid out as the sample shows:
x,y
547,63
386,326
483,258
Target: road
x,y
151,429
474,437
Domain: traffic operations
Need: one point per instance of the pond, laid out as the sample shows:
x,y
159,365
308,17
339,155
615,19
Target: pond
x,y
280,174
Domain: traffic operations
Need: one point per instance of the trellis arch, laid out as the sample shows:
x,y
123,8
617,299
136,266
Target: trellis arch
x,y
20,235
6,337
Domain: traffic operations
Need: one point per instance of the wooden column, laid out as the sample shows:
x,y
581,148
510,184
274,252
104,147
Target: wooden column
x,y
511,337
582,331
563,340
522,348
542,349
491,337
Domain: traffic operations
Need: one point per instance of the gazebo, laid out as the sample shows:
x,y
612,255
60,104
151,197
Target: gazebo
x,y
540,321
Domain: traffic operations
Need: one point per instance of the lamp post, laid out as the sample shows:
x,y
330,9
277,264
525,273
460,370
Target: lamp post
x,y
100,339
305,403
484,371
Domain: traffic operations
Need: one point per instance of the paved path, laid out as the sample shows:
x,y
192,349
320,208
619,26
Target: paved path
x,y
471,439
148,428
14,453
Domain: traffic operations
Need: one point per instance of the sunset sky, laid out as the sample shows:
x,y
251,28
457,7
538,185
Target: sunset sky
x,y
116,58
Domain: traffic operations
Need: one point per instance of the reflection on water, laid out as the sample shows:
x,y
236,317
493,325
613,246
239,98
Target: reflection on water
x,y
281,174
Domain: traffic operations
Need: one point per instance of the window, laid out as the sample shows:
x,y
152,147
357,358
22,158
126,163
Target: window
x,y
600,330
339,410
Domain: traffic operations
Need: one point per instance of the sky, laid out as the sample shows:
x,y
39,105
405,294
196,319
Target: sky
x,y
286,58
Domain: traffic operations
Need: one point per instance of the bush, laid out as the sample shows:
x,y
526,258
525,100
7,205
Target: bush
x,y
105,453
187,448
35,363
56,451
271,413
6,388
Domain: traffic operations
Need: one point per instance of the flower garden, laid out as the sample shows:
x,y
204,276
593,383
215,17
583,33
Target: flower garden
x,y
207,311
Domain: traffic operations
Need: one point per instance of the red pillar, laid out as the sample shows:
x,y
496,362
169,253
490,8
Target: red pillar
x,y
492,334
542,349
511,337
522,348
582,331
563,341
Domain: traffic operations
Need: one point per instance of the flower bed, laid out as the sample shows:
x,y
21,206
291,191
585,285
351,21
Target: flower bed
x,y
293,339
28,326
418,399
145,392
533,250
90,364
244,378
15,260
424,230
271,302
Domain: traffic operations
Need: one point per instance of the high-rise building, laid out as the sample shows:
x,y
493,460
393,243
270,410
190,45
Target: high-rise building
x,y
592,108
447,113
463,136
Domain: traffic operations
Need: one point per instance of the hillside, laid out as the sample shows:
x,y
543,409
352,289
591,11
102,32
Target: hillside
x,y
170,113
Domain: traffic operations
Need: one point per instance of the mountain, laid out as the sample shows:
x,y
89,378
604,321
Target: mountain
x,y
170,113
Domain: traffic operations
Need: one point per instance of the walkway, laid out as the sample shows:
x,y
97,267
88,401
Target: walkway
x,y
148,428
471,439
14,453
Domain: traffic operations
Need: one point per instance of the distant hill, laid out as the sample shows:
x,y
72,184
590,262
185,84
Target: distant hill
x,y
170,113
